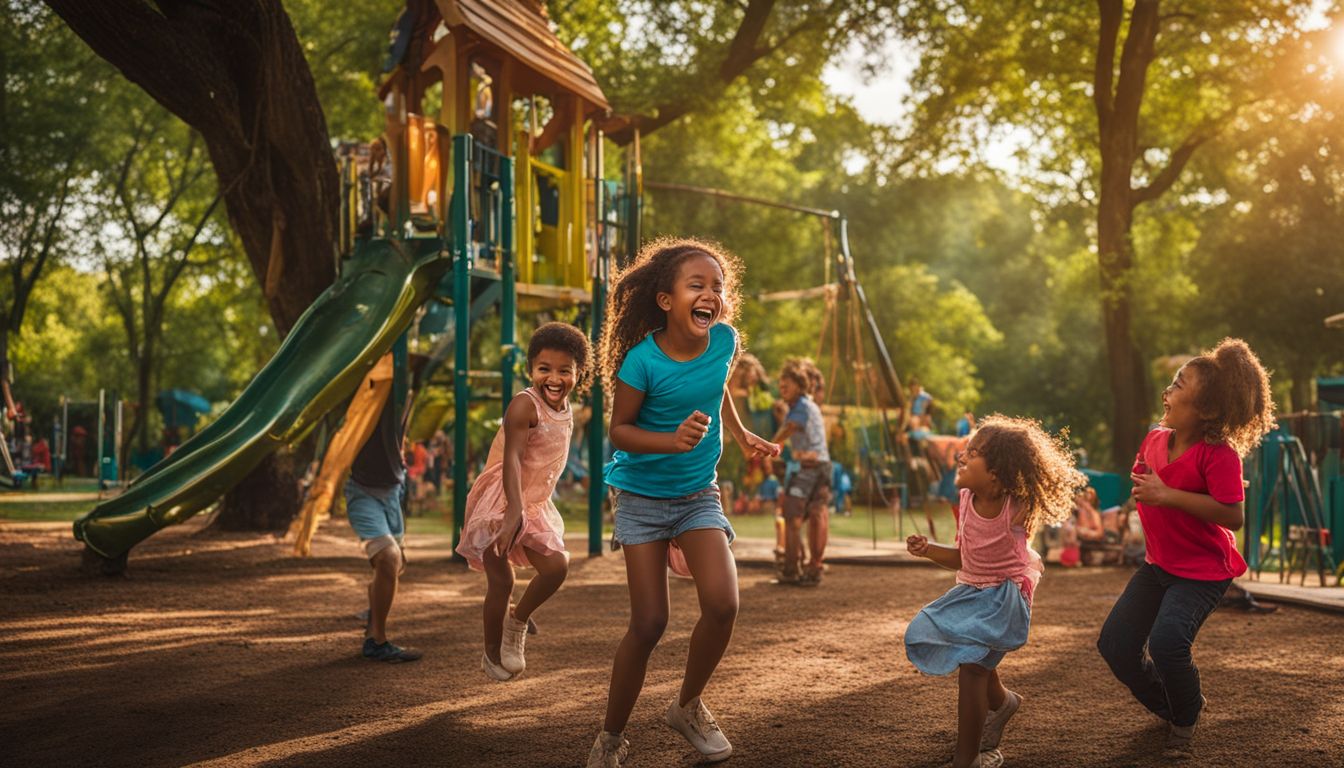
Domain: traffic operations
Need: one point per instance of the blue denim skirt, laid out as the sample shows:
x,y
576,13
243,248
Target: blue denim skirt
x,y
968,625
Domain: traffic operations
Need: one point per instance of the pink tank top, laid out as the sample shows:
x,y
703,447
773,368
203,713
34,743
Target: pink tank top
x,y
993,550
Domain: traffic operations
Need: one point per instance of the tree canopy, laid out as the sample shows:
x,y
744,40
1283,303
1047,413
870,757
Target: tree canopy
x,y
979,222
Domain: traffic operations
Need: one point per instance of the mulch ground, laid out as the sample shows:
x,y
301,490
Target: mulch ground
x,y
223,650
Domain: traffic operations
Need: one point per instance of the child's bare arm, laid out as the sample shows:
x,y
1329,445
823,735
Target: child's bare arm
x,y
785,430
628,437
520,416
751,443
1149,489
947,557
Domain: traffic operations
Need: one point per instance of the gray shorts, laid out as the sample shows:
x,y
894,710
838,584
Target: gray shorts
x,y
809,490
640,519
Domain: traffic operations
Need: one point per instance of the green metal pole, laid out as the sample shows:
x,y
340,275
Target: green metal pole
x,y
461,325
508,303
597,487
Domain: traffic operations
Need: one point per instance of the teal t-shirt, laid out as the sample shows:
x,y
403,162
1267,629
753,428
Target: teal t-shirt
x,y
672,391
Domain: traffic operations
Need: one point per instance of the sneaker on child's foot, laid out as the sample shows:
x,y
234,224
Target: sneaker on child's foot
x,y
388,652
811,577
494,670
511,648
696,723
995,721
609,751
1178,742
990,758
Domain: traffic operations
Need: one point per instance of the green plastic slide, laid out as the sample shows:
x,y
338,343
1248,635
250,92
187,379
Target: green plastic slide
x,y
327,353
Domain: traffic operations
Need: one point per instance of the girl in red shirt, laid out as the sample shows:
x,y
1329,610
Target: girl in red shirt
x,y
1187,482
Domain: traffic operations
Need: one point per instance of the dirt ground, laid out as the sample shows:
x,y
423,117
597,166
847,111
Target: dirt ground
x,y
223,650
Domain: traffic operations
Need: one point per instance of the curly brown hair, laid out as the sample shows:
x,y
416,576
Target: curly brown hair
x,y
805,374
795,370
563,337
1035,469
632,304
1234,402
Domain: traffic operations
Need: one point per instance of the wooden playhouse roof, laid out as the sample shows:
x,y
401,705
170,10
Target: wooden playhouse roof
x,y
516,27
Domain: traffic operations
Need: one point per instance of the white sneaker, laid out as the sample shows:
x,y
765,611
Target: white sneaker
x,y
511,647
696,723
609,751
992,758
494,670
995,721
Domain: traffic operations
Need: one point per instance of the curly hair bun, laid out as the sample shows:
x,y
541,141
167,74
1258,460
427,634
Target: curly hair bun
x,y
1234,398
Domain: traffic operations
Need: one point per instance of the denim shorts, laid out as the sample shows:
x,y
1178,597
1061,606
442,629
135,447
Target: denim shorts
x,y
640,519
375,514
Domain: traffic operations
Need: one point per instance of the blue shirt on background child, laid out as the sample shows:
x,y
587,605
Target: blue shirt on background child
x,y
811,433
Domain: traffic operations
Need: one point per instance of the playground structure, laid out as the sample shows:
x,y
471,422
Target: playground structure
x,y
469,204
440,227
1295,501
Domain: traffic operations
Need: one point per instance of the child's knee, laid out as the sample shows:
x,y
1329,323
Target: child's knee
x,y
1115,643
721,612
388,563
1169,649
648,630
556,568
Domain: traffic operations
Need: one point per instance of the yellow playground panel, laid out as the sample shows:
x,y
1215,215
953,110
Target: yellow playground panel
x,y
494,69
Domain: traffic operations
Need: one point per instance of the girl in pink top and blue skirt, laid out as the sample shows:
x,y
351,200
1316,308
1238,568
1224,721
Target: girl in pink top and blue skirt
x,y
1187,482
1013,478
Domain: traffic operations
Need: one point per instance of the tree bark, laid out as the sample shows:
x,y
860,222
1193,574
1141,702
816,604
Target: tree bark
x,y
267,504
1118,119
235,71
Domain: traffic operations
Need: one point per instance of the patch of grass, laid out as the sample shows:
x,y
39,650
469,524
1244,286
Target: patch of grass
x,y
861,524
45,510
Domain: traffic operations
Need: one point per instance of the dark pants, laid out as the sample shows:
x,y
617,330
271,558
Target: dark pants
x,y
1164,612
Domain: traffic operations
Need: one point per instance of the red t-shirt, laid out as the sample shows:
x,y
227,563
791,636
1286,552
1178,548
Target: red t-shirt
x,y
1178,542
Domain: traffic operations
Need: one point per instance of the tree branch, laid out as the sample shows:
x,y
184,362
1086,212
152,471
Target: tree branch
x,y
129,33
1111,11
1172,171
1134,61
175,271
743,51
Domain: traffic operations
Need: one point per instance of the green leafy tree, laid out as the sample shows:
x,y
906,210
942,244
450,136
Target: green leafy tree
x,y
47,128
1113,101
1268,267
155,208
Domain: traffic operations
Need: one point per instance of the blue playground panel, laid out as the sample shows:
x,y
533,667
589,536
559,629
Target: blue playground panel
x,y
1112,489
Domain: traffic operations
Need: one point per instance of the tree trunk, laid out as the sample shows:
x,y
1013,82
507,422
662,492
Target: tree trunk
x,y
1118,96
1131,387
237,74
268,504
1302,393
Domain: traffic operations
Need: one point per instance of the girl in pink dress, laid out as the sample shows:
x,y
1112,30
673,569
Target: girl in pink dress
x,y
511,519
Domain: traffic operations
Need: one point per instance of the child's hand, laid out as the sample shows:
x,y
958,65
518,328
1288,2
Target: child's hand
x,y
691,432
757,447
1150,489
508,528
917,545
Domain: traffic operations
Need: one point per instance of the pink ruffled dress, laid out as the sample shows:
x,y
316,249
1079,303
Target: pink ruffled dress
x,y
543,460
